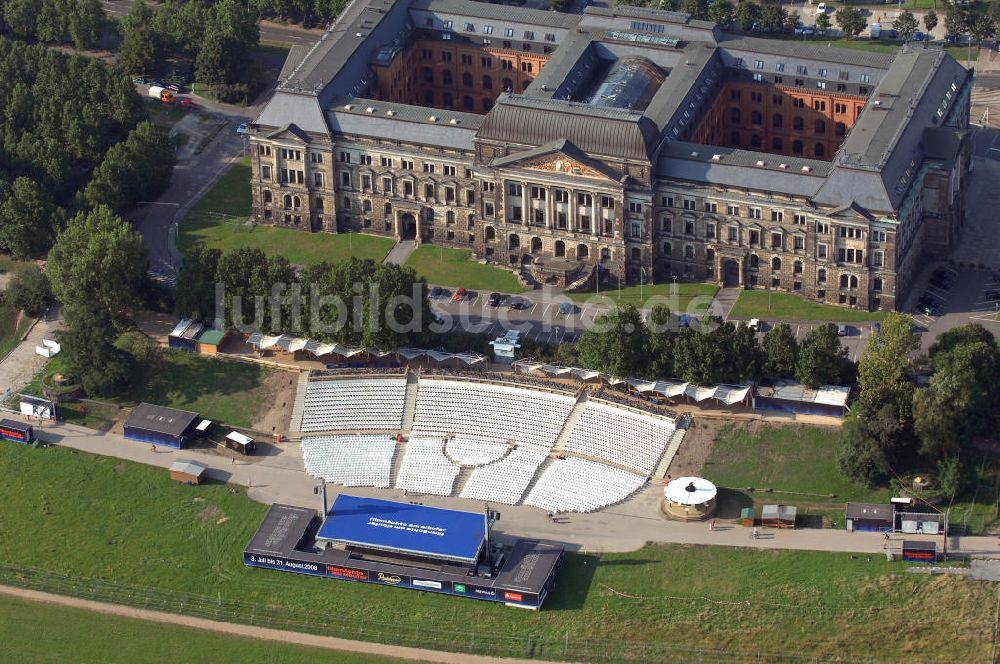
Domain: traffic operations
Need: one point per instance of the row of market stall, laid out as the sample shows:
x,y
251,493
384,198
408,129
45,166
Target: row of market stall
x,y
338,355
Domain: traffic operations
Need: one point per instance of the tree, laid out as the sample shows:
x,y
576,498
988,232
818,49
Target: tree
x,y
696,8
746,14
781,352
27,219
229,34
906,24
954,21
823,22
137,169
141,49
861,456
195,291
97,260
722,12
821,357
20,16
89,352
772,17
723,354
660,354
86,21
930,20
884,370
851,21
980,26
617,346
29,291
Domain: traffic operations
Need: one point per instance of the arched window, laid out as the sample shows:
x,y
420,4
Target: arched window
x,y
776,144
346,203
605,254
446,77
508,85
854,281
756,118
754,261
820,126
798,124
797,267
366,205
387,209
755,142
296,202
467,79
267,196
582,251
843,281
514,242
467,103
470,221
668,249
840,129
560,248
877,283
491,234
710,255
734,115
287,202
819,150
821,276
775,264
536,245
688,251
428,75
777,120
487,82
636,254
449,217
797,147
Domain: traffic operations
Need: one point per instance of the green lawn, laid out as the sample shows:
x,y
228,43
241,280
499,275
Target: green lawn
x,y
453,267
658,293
797,459
218,221
786,306
225,391
36,632
74,513
9,264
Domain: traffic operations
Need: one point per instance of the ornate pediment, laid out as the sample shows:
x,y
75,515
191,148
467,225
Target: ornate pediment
x,y
560,157
560,163
850,212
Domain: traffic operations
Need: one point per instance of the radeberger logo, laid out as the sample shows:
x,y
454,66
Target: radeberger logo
x,y
388,578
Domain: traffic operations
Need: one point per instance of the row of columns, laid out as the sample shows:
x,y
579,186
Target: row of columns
x,y
549,207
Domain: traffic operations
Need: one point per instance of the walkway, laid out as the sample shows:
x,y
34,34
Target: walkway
x,y
21,365
400,252
724,301
264,633
625,527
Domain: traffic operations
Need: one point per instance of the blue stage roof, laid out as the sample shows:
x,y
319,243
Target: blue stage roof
x,y
404,528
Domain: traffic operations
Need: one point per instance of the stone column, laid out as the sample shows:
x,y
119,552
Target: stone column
x,y
525,209
549,222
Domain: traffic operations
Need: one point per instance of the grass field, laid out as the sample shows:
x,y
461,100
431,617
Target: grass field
x,y
797,459
130,523
659,293
218,222
453,267
786,306
36,632
230,392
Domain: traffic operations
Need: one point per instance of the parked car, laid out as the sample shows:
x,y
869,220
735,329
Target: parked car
x,y
495,299
173,87
188,104
436,291
992,295
519,304
565,308
798,28
821,8
841,330
459,295
243,129
683,321
918,36
809,30
930,309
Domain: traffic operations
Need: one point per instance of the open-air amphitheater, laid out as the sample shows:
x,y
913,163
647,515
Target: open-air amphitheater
x,y
560,450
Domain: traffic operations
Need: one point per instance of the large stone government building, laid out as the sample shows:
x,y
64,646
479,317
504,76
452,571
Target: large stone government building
x,y
641,141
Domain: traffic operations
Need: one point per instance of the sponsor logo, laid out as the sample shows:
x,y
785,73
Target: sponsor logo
x,y
483,591
918,555
421,583
459,587
347,573
391,579
513,597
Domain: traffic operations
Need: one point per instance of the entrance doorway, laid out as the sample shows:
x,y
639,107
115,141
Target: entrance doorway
x,y
730,273
407,227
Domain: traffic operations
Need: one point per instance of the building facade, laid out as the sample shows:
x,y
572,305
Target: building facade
x,y
636,142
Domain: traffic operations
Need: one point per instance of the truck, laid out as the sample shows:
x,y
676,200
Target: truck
x,y
164,95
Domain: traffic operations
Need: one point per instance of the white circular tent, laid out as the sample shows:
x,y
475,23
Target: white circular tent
x,y
689,498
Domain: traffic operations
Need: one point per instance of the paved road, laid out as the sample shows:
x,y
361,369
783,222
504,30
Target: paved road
x,y
21,364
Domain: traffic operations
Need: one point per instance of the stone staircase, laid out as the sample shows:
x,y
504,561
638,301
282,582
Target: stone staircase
x,y
574,416
409,403
668,455
299,404
397,462
534,480
463,476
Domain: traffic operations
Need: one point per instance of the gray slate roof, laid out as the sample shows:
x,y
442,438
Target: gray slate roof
x,y
486,10
409,123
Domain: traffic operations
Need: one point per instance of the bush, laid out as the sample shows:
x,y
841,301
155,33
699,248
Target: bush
x,y
29,291
142,348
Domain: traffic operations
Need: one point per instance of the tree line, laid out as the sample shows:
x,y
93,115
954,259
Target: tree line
x,y
72,136
897,425
77,22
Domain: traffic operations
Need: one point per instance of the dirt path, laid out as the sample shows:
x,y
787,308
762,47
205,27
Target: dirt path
x,y
263,633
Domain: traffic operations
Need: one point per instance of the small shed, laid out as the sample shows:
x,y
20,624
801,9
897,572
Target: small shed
x,y
746,517
160,425
32,406
19,432
184,333
869,517
209,341
240,442
187,472
919,551
778,516
919,522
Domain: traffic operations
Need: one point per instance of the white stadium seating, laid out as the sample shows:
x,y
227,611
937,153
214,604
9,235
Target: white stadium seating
x,y
350,460
474,452
505,480
354,405
490,413
425,468
579,485
620,436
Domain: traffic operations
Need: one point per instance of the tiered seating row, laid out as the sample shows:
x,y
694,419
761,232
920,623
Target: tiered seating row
x,y
620,436
490,413
425,468
354,404
579,485
506,480
353,460
474,452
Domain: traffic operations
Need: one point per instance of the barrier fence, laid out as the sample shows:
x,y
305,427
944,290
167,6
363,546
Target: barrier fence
x,y
417,636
